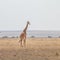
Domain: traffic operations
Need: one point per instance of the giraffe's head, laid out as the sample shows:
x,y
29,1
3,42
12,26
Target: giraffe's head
x,y
28,22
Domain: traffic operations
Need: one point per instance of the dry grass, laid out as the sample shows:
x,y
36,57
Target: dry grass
x,y
36,49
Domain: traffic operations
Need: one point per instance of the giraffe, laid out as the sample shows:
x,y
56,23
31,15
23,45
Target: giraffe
x,y
23,35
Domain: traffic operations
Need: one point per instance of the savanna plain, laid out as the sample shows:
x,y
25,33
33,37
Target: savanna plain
x,y
35,49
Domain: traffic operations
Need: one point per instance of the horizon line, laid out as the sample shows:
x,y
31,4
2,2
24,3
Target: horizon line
x,y
30,30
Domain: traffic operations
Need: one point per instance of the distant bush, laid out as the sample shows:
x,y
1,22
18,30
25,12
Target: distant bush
x,y
32,36
59,36
16,36
12,37
49,36
5,37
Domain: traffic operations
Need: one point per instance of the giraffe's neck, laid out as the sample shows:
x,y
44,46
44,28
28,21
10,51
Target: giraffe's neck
x,y
25,29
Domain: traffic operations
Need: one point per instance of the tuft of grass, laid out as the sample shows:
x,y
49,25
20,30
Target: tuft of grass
x,y
57,54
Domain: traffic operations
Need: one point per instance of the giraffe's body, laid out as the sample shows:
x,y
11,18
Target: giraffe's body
x,y
23,35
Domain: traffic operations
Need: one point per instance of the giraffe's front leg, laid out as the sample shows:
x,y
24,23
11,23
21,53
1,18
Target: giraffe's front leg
x,y
24,42
20,41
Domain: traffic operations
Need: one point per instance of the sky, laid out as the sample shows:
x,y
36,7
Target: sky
x,y
42,14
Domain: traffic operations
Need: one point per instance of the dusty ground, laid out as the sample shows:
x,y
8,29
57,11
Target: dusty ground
x,y
36,49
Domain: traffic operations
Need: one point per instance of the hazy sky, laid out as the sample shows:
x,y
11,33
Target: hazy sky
x,y
42,14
